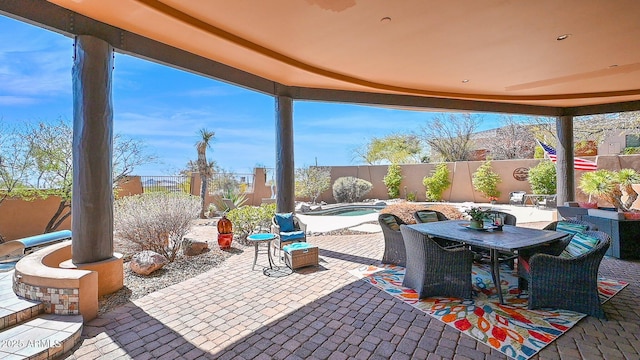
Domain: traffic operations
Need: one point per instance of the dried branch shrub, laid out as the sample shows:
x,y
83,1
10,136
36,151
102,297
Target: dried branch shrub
x,y
156,221
405,210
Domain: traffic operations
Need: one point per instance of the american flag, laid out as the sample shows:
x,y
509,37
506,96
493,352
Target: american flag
x,y
578,164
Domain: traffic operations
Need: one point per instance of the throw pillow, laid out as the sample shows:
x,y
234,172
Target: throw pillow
x,y
580,244
427,216
285,221
391,222
570,228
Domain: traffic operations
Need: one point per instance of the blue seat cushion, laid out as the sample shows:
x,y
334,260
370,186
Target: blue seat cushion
x,y
296,246
285,221
427,216
291,235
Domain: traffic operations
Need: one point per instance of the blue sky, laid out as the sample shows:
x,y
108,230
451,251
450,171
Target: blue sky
x,y
166,107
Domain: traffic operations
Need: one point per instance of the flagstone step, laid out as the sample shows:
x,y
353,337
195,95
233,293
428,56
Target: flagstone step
x,y
14,309
47,336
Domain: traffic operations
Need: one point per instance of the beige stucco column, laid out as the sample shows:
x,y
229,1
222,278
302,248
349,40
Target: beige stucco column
x,y
564,164
92,202
285,171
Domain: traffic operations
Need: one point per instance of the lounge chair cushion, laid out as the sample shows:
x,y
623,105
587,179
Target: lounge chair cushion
x,y
296,246
285,221
291,235
570,228
391,222
428,216
580,244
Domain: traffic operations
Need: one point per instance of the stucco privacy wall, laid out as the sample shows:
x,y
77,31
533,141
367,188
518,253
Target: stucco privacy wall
x,y
461,189
20,218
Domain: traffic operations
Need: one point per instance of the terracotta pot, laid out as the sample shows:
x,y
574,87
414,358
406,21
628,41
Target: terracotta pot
x,y
588,205
225,226
632,215
224,240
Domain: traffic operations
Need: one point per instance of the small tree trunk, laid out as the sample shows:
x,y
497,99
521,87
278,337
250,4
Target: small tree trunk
x,y
203,195
57,218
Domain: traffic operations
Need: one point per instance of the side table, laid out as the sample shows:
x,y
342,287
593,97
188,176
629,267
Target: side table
x,y
257,239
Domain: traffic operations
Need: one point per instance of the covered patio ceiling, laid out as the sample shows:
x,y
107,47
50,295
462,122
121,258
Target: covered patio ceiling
x,y
546,57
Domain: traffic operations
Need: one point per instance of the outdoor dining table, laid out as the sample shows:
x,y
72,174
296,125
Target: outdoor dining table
x,y
510,239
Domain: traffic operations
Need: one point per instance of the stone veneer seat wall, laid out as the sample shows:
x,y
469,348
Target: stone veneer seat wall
x,y
62,291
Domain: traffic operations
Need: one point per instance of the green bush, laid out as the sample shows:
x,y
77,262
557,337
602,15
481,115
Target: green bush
x,y
486,181
437,183
542,178
631,150
350,189
249,219
392,180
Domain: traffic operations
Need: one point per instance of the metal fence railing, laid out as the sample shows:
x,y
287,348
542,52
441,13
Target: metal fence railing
x,y
166,184
231,183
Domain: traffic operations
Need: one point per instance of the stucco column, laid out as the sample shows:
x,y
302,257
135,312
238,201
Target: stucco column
x,y
564,164
92,201
285,171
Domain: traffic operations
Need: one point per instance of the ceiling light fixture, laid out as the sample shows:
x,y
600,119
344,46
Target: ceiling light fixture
x,y
465,81
613,66
563,37
385,19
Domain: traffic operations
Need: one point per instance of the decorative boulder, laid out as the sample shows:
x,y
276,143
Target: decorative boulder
x,y
192,247
146,262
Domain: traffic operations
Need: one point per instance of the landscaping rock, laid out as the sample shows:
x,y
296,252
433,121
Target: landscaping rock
x,y
191,247
146,262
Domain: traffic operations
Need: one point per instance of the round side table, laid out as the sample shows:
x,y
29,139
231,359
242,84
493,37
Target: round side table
x,y
257,239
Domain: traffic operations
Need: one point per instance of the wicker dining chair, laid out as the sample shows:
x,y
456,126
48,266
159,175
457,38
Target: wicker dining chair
x,y
567,283
394,250
553,225
424,216
433,270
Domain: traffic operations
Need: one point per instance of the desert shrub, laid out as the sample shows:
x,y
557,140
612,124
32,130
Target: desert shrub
x,y
350,189
437,182
156,221
542,178
405,210
486,181
392,180
248,219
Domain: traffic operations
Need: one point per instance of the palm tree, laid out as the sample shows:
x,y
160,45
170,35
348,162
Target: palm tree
x,y
204,169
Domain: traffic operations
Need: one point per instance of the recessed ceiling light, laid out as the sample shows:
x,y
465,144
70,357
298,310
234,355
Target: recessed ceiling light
x,y
465,81
613,66
385,19
563,37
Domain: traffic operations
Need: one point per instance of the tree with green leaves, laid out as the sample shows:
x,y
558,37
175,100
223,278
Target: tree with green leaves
x,y
437,183
486,181
394,148
392,180
39,157
542,178
312,181
204,168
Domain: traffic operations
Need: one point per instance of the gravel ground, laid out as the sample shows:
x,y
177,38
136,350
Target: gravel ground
x,y
182,268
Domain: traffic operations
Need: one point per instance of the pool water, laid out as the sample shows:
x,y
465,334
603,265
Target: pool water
x,y
349,212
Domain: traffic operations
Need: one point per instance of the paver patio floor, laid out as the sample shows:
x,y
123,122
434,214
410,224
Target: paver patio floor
x,y
232,312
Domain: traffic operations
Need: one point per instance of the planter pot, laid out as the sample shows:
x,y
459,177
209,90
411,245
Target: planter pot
x,y
476,224
224,240
629,215
588,205
607,214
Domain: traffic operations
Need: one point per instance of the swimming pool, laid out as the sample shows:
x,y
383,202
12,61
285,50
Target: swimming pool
x,y
347,211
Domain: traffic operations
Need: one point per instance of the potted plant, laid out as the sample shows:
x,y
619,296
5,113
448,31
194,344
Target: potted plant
x,y
477,216
612,187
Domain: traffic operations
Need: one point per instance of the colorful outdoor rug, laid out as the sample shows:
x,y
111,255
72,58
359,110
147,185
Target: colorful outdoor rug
x,y
511,328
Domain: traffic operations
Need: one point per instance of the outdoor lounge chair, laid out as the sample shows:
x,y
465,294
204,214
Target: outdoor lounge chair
x,y
567,283
289,229
517,197
394,251
433,270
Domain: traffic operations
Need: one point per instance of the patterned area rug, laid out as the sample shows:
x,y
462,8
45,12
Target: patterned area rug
x,y
511,328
